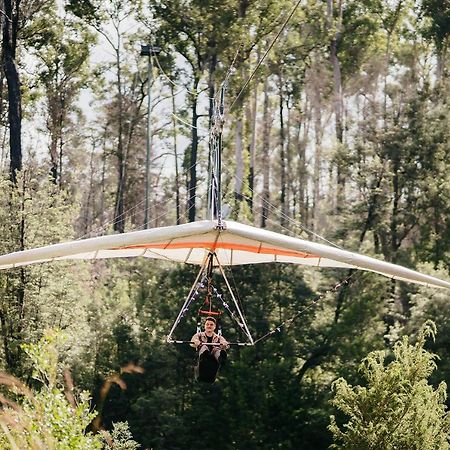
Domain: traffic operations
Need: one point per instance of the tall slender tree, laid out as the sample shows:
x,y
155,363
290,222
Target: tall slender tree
x,y
10,27
63,50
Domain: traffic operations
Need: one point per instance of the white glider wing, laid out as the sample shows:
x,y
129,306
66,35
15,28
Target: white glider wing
x,y
236,244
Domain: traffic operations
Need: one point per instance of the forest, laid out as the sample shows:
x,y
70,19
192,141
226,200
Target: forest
x,y
335,129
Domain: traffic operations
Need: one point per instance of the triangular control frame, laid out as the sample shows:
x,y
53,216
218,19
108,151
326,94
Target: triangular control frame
x,y
199,283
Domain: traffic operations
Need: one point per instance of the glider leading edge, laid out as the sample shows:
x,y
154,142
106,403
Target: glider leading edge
x,y
233,244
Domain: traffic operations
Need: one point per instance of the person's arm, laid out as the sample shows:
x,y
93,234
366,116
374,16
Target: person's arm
x,y
195,340
223,343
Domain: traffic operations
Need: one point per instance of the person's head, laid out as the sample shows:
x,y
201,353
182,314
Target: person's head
x,y
210,324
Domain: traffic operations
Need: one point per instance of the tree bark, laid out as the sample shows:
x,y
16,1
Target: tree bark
x,y
239,148
265,161
338,99
175,151
282,152
89,212
252,147
289,184
302,139
57,113
318,132
103,187
9,44
192,184
119,217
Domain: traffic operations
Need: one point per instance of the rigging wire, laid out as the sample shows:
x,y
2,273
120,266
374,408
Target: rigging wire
x,y
204,130
280,213
288,322
305,230
204,280
229,72
278,210
182,88
102,227
283,325
235,289
265,54
109,222
233,62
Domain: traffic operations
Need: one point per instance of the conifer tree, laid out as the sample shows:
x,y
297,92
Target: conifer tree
x,y
397,408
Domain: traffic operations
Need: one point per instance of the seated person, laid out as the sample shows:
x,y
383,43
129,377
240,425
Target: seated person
x,y
210,337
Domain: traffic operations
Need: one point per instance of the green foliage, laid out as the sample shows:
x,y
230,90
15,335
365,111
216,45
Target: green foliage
x,y
38,296
360,36
84,9
46,417
397,408
256,381
116,314
120,437
438,14
49,415
433,304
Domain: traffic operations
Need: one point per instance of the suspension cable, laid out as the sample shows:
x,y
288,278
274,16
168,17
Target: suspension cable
x,y
288,322
280,213
265,54
193,293
204,280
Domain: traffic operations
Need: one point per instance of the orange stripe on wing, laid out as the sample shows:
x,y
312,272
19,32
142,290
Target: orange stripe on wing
x,y
225,245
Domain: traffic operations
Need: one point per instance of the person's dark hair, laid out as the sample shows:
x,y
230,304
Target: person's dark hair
x,y
211,318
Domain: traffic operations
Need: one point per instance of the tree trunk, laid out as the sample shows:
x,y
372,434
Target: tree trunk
x,y
103,187
177,176
302,139
338,100
282,153
396,193
389,27
89,213
318,132
385,78
251,148
441,62
55,127
192,184
54,157
289,185
265,161
119,216
9,44
239,148
211,86
61,147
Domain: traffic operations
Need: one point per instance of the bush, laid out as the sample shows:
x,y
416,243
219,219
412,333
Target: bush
x,y
398,409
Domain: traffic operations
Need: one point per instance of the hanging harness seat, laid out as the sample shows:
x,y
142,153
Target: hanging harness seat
x,y
206,368
211,355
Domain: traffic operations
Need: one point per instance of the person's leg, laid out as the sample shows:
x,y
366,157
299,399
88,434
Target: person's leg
x,y
216,353
203,349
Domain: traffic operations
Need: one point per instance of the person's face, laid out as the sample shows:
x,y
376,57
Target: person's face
x,y
210,326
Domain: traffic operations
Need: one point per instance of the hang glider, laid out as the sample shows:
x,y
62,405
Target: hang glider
x,y
233,244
